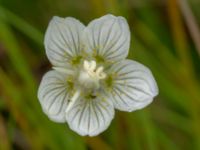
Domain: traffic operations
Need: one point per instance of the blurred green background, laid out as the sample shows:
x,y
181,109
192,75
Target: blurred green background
x,y
165,37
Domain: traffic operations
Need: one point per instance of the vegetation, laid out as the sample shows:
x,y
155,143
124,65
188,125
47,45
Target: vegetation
x,y
165,37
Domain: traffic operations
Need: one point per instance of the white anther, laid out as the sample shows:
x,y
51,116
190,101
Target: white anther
x,y
86,65
102,75
92,69
91,74
99,70
93,65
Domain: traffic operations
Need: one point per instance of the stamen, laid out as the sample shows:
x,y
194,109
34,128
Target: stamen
x,y
86,65
102,75
90,75
63,70
93,65
99,70
93,71
73,100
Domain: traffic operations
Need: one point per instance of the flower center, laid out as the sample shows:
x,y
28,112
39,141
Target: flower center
x,y
90,75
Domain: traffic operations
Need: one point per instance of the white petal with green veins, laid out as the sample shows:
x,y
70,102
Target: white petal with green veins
x,y
63,40
53,95
107,38
90,116
134,86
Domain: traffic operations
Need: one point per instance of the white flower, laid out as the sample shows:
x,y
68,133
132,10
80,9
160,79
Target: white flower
x,y
91,75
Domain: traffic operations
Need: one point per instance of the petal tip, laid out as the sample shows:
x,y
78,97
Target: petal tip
x,y
56,19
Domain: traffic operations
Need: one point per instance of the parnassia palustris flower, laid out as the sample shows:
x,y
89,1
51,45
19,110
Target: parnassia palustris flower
x,y
91,75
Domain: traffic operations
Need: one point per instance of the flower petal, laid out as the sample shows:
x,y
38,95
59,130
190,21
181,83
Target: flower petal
x,y
134,86
90,117
53,95
62,40
108,38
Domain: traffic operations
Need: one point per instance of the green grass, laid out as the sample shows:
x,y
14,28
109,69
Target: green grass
x,y
160,40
